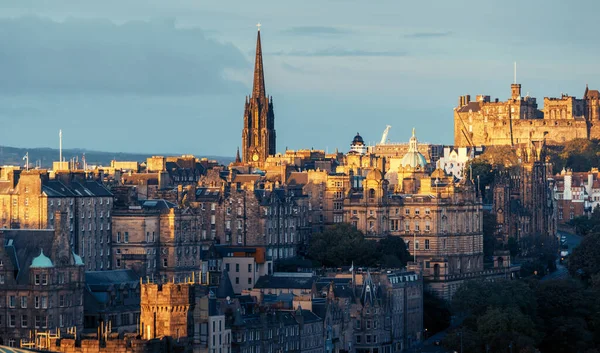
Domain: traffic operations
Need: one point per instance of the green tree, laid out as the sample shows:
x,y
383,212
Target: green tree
x,y
490,242
568,314
436,313
499,328
342,244
392,252
584,261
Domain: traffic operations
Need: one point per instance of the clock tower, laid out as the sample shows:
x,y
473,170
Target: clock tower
x,y
258,134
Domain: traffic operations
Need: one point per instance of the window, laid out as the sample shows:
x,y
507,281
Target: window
x,y
407,211
118,237
1,279
12,301
12,321
44,303
118,263
213,206
427,211
61,300
24,302
37,279
358,337
38,321
23,320
44,279
165,262
426,244
250,268
249,280
237,267
237,280
417,211
416,245
126,238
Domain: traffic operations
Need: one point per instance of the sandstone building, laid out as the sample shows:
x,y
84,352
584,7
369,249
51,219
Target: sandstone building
x,y
29,200
484,122
41,282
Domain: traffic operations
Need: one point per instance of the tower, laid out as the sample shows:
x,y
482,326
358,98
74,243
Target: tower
x,y
258,134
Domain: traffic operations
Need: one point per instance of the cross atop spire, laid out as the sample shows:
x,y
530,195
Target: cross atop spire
x,y
258,89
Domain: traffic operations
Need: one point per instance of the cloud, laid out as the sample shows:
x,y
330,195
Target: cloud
x,y
429,34
337,52
315,30
83,55
292,68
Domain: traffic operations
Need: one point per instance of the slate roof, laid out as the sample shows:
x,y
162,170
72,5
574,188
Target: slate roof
x,y
24,245
157,204
85,188
471,106
276,282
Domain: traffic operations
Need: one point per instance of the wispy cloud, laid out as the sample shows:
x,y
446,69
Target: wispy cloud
x,y
429,34
338,52
82,56
293,68
315,30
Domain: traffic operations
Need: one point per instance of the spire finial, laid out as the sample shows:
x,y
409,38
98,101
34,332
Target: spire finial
x,y
258,25
258,89
413,132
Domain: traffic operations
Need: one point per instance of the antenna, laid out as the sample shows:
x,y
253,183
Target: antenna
x,y
60,146
515,73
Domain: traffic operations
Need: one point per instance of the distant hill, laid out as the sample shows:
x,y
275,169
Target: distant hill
x,y
45,156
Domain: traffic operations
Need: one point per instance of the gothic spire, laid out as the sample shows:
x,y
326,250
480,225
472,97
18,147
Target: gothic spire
x,y
258,90
237,156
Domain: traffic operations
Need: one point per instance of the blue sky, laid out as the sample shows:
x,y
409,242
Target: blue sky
x,y
159,76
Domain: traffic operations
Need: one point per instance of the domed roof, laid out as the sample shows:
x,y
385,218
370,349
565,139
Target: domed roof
x,y
413,158
41,261
78,260
375,174
358,140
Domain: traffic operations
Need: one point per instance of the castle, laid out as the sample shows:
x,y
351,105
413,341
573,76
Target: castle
x,y
518,120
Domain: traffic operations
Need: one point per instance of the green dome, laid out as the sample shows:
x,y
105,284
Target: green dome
x,y
41,261
413,158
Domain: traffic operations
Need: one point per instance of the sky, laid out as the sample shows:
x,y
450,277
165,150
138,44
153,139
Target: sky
x,y
156,76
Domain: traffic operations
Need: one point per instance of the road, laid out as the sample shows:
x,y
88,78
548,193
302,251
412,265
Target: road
x,y
561,270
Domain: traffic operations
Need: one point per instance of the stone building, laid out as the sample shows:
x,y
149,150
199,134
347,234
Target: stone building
x,y
158,240
523,196
112,297
164,310
42,281
29,199
371,312
258,134
518,120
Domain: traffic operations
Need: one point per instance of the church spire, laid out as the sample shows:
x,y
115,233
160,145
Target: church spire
x,y
258,90
237,157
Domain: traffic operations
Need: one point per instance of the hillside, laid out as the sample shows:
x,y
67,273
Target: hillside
x,y
45,156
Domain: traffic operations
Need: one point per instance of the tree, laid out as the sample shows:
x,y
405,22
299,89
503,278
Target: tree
x,y
490,242
567,311
393,252
498,328
436,313
584,262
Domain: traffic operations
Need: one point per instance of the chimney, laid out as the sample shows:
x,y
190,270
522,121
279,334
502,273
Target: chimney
x,y
467,99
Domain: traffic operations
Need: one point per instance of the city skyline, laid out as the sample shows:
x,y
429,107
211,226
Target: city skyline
x,y
328,70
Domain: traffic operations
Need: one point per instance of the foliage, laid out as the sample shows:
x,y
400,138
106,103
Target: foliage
x,y
554,316
584,225
580,155
584,261
567,312
490,243
436,313
343,244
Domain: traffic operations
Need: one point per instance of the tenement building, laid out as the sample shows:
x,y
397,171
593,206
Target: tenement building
x,y
41,282
517,120
29,199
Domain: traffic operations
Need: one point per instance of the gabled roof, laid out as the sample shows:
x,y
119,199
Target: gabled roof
x,y
276,282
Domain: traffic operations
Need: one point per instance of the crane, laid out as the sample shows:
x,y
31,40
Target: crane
x,y
385,134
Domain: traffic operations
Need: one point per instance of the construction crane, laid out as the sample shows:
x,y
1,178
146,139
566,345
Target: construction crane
x,y
385,133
